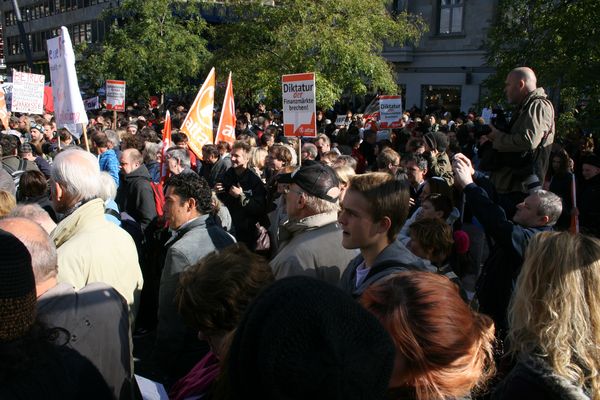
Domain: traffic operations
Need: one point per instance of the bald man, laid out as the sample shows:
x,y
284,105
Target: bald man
x,y
95,317
522,152
135,195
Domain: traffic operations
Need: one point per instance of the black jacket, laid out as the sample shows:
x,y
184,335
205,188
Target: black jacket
x,y
503,265
135,196
588,203
247,209
533,379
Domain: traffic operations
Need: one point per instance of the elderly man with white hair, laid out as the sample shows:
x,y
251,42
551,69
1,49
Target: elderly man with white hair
x,y
90,249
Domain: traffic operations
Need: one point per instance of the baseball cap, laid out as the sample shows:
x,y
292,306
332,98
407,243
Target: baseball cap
x,y
315,179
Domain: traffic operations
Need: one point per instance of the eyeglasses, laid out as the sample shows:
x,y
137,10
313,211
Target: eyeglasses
x,y
288,190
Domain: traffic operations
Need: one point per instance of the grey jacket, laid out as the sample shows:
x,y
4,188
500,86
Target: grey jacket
x,y
312,246
187,246
97,320
394,258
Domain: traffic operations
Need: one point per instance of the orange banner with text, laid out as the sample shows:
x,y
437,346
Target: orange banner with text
x,y
226,129
198,123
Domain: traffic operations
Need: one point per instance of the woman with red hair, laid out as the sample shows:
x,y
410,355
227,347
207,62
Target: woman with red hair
x,y
443,348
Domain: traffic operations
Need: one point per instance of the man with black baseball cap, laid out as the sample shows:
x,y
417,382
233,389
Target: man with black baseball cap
x,y
310,241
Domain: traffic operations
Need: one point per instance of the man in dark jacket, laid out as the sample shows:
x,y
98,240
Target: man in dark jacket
x,y
244,195
95,316
373,211
135,195
537,213
588,198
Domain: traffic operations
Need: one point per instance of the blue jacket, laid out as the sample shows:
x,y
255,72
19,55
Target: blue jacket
x,y
110,163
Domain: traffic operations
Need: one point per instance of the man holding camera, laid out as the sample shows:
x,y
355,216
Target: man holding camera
x,y
523,145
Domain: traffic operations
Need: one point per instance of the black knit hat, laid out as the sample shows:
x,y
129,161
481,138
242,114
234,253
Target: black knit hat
x,y
305,339
437,141
592,159
315,179
17,288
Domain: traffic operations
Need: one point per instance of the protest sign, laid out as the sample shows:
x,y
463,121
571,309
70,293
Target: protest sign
x,y
299,105
7,89
28,93
390,112
486,114
226,129
198,123
3,110
93,103
115,95
68,106
340,120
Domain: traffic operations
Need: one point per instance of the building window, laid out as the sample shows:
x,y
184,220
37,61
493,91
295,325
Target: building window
x,y
440,98
450,17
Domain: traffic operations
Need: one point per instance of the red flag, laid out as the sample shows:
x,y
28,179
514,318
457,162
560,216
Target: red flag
x,y
226,130
166,143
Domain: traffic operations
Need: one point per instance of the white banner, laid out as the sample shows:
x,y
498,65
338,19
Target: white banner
x,y
68,106
299,105
115,95
92,103
28,93
390,111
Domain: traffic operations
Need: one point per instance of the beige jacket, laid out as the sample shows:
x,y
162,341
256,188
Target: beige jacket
x,y
532,120
91,249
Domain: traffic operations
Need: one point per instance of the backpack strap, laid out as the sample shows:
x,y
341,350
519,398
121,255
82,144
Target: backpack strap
x,y
110,211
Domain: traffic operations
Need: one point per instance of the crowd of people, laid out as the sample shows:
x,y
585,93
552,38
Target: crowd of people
x,y
451,257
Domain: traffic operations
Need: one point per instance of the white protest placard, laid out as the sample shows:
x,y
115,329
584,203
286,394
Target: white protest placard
x,y
340,120
486,114
93,103
7,87
28,93
299,105
115,95
68,106
390,111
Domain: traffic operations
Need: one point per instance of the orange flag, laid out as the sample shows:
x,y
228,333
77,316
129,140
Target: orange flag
x,y
166,143
226,129
3,110
198,123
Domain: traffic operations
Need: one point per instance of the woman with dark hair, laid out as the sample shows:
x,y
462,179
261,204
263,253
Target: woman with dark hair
x,y
35,363
212,297
443,348
33,188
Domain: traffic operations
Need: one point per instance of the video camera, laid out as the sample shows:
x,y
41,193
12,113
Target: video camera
x,y
499,119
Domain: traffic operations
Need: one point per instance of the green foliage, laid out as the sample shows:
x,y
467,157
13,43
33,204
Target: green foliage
x,y
559,40
340,40
157,46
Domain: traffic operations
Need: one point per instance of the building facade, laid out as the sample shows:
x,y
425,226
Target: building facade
x,y
445,70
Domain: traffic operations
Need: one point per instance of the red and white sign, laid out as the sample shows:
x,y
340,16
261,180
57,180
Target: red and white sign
x,y
115,95
28,93
299,105
390,112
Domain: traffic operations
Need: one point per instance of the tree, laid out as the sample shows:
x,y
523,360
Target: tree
x,y
157,46
340,40
559,40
